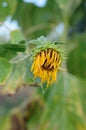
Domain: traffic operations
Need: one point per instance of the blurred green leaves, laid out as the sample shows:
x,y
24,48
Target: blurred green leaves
x,y
7,7
5,121
16,36
15,80
37,21
5,70
9,50
13,47
61,107
76,62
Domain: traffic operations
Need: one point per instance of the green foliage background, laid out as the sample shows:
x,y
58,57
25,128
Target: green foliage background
x,y
63,105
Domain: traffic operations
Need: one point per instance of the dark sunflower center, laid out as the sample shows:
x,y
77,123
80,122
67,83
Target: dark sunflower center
x,y
51,59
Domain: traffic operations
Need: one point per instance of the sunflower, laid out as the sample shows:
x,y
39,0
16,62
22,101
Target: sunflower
x,y
46,64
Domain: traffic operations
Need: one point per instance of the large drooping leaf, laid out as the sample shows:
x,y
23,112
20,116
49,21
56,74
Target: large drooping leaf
x,y
5,70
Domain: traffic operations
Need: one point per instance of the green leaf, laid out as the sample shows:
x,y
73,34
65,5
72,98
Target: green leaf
x,y
67,6
21,75
9,51
63,3
76,62
5,122
28,78
5,70
22,42
7,54
39,41
16,36
7,7
13,47
15,80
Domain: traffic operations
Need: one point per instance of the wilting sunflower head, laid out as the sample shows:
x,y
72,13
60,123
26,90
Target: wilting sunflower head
x,y
46,65
47,58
